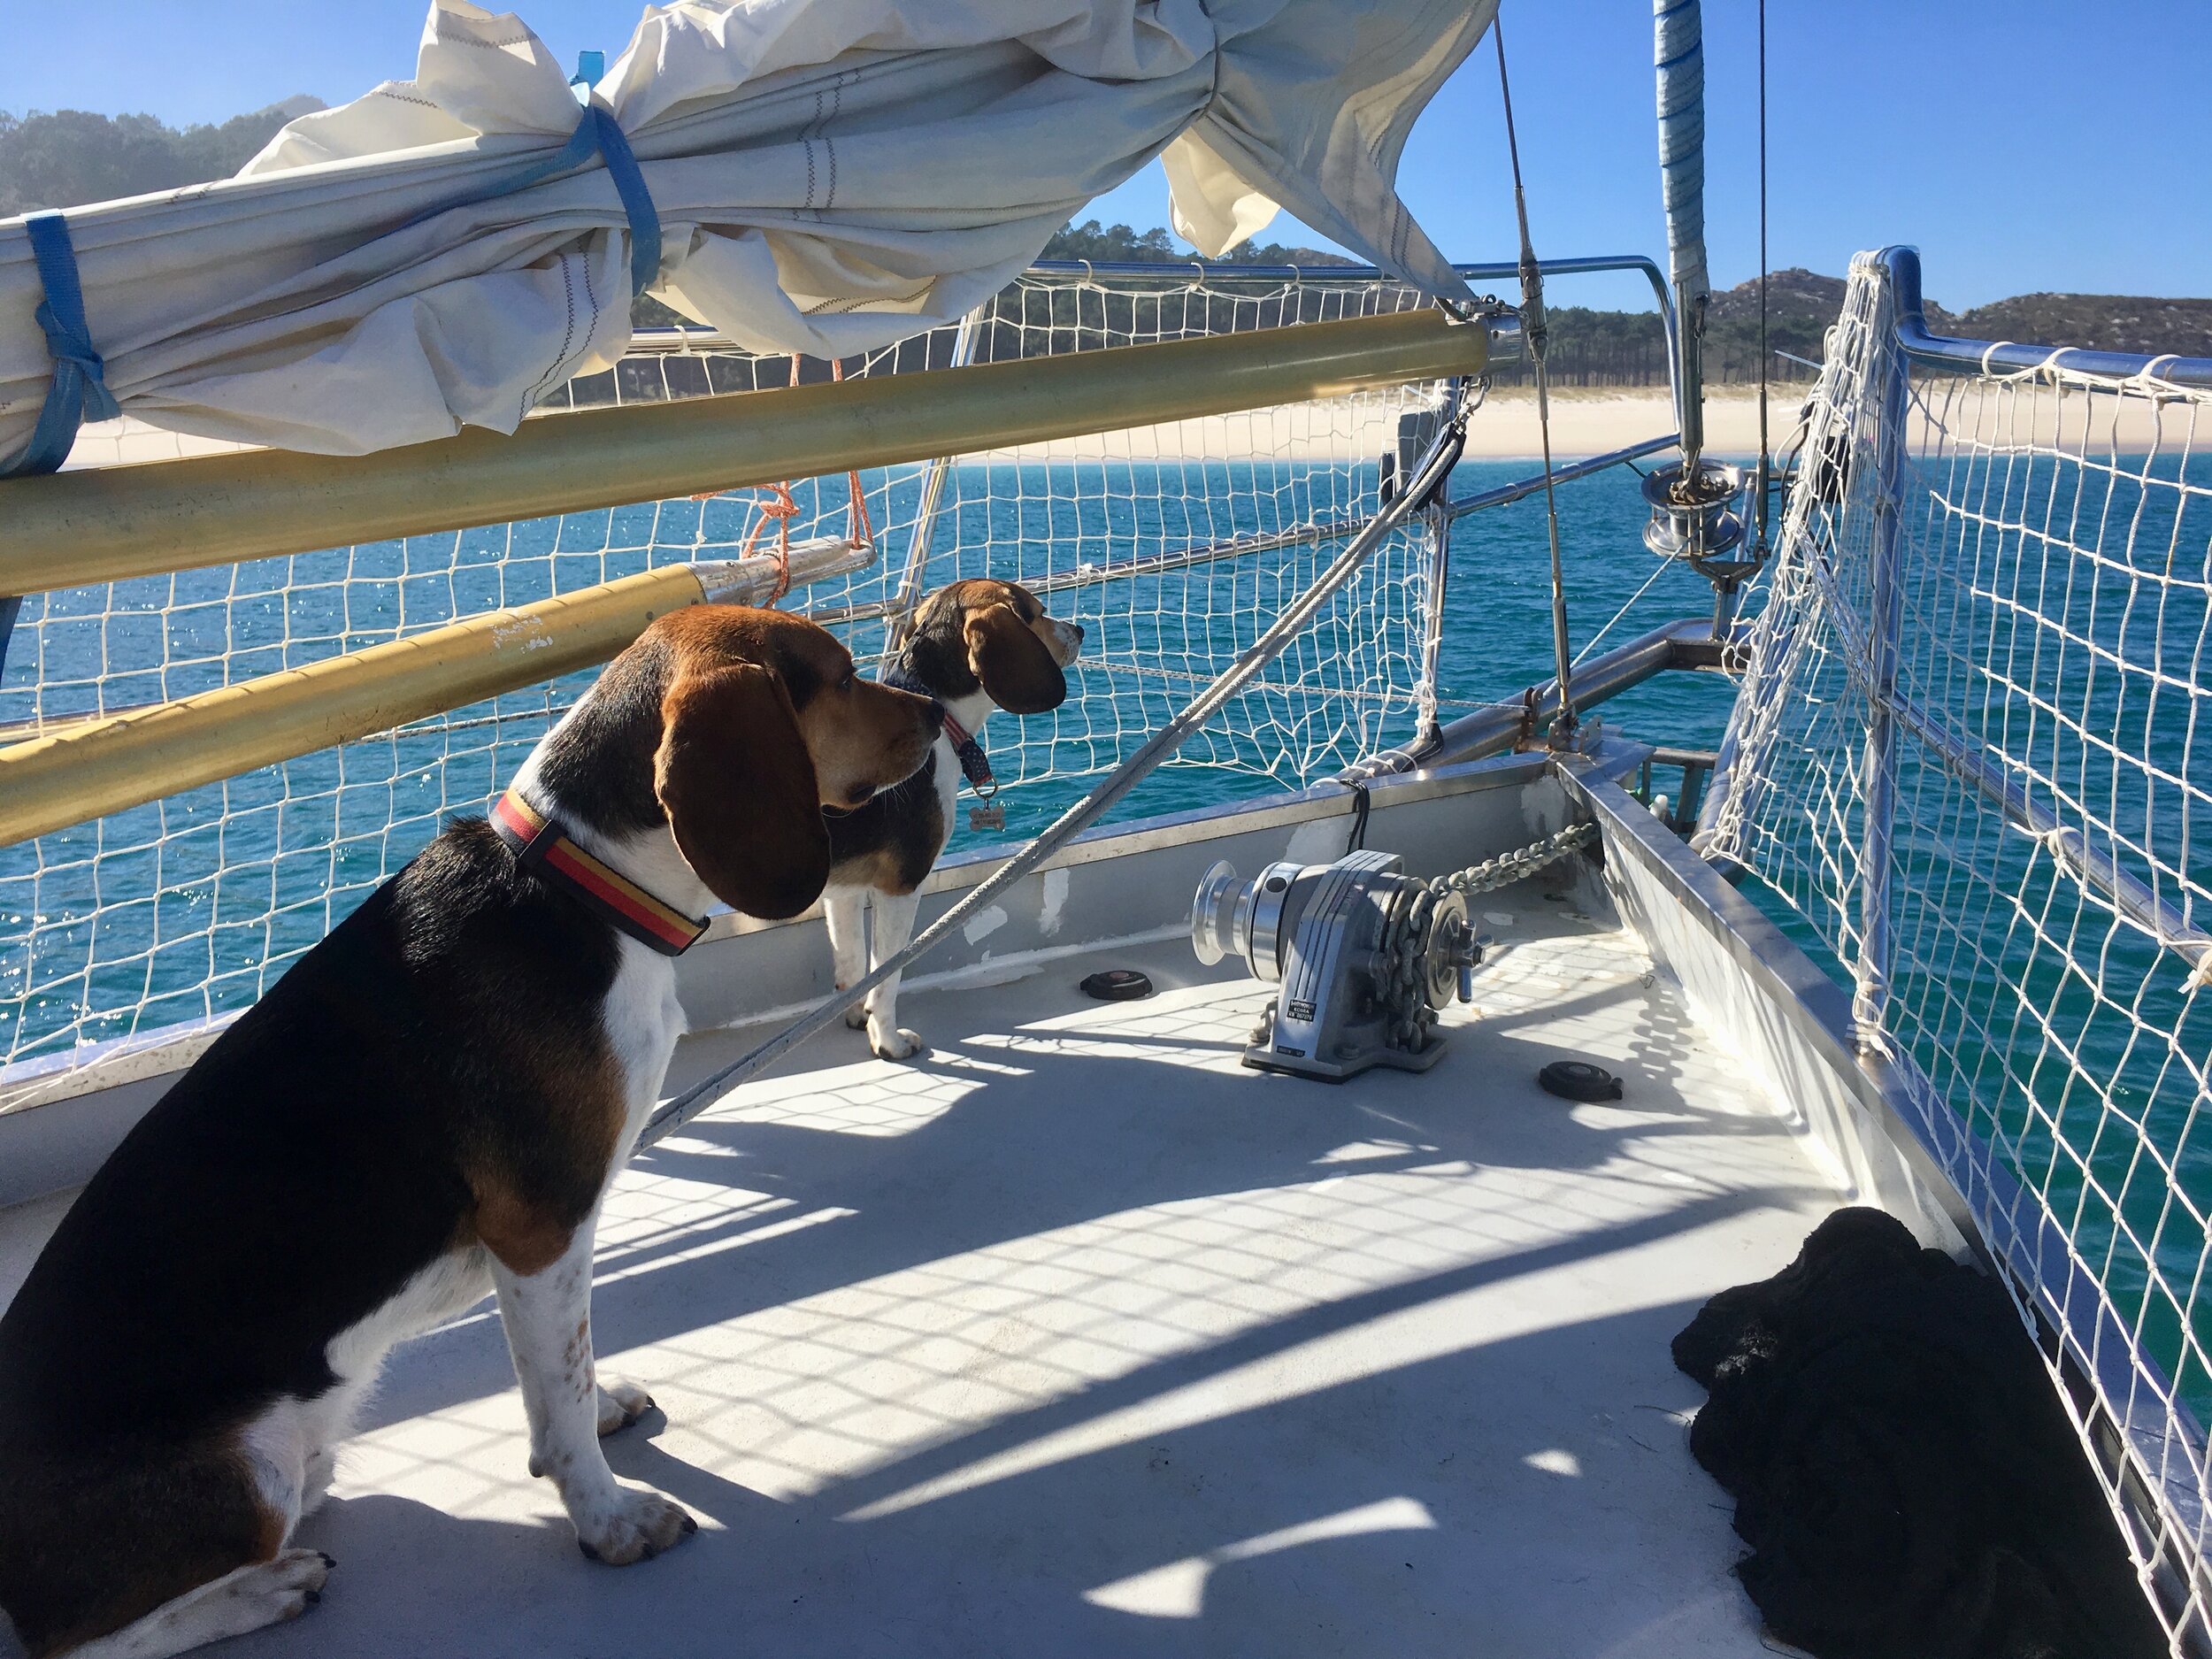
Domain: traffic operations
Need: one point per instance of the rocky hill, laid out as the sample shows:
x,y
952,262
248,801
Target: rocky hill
x,y
2106,322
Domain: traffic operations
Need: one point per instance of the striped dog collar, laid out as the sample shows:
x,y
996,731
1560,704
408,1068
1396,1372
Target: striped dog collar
x,y
540,844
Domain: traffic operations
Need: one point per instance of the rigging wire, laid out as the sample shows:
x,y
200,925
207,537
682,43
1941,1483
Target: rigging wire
x,y
1534,330
1766,459
1590,644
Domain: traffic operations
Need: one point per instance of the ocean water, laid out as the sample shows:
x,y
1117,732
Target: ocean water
x,y
1496,637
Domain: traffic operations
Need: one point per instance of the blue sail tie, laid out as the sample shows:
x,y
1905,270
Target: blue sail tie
x,y
78,388
78,391
597,134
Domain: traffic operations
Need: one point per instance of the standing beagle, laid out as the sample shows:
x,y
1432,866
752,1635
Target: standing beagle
x,y
976,646
428,1106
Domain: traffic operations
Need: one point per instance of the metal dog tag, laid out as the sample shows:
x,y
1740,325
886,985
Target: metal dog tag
x,y
990,816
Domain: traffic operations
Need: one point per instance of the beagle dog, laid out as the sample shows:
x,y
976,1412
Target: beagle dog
x,y
976,646
428,1106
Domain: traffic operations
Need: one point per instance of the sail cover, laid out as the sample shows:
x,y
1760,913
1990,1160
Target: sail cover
x,y
827,176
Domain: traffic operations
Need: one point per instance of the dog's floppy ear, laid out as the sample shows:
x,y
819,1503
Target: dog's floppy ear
x,y
734,777
1011,661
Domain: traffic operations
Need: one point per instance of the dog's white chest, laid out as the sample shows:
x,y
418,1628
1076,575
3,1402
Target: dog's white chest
x,y
643,1019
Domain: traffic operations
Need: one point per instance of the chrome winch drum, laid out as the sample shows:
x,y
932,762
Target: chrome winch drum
x,y
1365,956
1697,521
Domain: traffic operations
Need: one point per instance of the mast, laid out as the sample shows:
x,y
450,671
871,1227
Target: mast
x,y
1679,52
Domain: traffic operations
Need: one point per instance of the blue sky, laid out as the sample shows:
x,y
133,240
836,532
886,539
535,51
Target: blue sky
x,y
2024,144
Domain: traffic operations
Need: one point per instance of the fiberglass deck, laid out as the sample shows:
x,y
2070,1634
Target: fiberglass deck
x,y
1076,1337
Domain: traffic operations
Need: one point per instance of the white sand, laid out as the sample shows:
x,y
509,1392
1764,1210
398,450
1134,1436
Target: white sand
x,y
1596,421
1584,422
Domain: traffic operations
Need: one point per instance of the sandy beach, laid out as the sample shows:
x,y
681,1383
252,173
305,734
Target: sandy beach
x,y
1585,421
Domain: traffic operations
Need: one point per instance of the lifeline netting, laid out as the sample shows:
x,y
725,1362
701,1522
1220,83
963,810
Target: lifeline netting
x,y
2007,579
1174,546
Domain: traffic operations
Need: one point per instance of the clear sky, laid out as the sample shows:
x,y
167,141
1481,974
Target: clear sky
x,y
2023,144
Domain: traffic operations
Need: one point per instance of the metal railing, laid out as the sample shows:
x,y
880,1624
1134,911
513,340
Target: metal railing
x,y
71,528
1924,349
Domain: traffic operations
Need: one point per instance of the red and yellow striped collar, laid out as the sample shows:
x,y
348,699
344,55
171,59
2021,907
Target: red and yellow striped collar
x,y
540,842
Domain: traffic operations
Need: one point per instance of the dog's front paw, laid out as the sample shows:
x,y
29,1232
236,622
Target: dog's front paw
x,y
892,1043
620,1404
641,1523
856,1016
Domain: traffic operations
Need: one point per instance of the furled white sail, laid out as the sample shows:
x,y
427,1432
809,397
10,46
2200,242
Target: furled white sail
x,y
828,176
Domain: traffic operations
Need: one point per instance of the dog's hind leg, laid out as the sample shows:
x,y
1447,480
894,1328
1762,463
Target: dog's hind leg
x,y
321,1470
132,1553
250,1598
894,926
845,914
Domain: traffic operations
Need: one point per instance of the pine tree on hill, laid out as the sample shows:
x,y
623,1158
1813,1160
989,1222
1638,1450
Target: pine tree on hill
x,y
67,157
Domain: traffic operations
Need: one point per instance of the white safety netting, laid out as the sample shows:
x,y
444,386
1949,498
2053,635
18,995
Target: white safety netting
x,y
824,176
1174,546
2010,574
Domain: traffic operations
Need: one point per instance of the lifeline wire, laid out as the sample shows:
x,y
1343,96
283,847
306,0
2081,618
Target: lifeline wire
x,y
1436,465
1534,329
1766,459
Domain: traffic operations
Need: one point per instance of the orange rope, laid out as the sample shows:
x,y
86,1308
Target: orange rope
x,y
777,504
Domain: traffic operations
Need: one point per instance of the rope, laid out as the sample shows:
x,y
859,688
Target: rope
x,y
777,504
1436,463
1657,571
78,390
598,137
1536,332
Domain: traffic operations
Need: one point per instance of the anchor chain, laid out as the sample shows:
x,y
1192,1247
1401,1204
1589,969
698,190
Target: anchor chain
x,y
1507,868
1400,987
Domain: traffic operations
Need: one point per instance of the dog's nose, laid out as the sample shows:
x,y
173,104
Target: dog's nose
x,y
1077,626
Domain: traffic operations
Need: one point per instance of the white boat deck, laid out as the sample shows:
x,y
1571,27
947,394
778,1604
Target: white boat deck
x,y
1074,1338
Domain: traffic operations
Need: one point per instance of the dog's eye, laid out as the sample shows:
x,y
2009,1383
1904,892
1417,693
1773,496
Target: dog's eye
x,y
850,681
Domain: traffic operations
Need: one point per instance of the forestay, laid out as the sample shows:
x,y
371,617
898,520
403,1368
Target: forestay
x,y
827,177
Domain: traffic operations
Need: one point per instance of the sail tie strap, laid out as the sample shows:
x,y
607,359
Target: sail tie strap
x,y
598,136
79,390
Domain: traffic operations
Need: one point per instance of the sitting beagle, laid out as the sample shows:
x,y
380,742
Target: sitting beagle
x,y
976,646
428,1106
